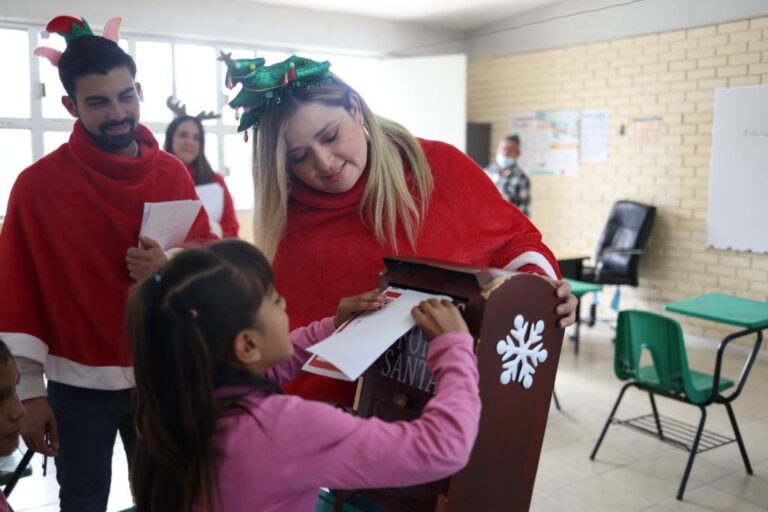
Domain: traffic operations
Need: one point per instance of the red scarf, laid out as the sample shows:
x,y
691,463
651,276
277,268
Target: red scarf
x,y
71,217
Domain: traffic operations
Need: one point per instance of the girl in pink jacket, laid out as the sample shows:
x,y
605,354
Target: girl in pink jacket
x,y
211,345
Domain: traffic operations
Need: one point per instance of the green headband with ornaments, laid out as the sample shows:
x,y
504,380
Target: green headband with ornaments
x,y
264,87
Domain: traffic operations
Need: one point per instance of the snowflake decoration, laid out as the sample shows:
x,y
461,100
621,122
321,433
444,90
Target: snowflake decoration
x,y
522,355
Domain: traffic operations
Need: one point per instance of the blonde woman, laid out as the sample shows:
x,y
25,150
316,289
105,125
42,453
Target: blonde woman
x,y
338,188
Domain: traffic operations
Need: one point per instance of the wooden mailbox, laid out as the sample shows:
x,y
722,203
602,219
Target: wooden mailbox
x,y
512,318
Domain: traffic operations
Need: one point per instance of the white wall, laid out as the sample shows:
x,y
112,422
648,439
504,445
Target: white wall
x,y
556,26
246,22
241,21
427,95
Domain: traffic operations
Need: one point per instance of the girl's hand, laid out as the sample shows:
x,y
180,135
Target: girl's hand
x,y
363,302
568,302
436,317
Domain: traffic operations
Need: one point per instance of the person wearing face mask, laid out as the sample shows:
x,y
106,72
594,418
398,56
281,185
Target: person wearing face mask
x,y
338,188
510,179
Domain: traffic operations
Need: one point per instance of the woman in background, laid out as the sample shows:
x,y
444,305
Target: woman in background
x,y
185,139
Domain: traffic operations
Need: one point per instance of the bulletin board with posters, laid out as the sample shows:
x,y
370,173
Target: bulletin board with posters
x,y
549,141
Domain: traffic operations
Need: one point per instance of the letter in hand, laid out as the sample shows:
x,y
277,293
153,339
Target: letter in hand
x,y
145,260
367,301
437,317
39,419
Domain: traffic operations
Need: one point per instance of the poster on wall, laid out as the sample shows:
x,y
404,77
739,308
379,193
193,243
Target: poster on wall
x,y
647,130
593,132
549,141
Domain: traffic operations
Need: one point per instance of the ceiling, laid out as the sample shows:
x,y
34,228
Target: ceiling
x,y
452,14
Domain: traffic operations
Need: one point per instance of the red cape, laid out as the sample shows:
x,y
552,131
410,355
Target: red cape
x,y
328,252
71,217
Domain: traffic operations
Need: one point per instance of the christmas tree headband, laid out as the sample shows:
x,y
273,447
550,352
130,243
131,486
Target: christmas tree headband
x,y
72,28
264,87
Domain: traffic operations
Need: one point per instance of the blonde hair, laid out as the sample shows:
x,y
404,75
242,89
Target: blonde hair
x,y
386,201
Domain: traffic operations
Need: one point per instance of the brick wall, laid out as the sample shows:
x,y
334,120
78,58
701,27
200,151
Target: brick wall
x,y
673,75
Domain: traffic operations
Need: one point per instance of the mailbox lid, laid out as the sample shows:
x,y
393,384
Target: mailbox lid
x,y
481,276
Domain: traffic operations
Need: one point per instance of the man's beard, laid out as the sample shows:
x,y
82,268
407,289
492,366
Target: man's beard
x,y
109,142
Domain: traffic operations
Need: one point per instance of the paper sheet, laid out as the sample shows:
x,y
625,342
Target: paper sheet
x,y
212,196
594,136
168,222
359,341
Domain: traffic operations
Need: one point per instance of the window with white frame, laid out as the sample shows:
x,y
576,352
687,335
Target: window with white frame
x,y
33,121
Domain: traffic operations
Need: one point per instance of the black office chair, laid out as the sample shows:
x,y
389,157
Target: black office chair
x,y
620,246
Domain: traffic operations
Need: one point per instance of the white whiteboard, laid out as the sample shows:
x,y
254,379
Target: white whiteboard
x,y
737,216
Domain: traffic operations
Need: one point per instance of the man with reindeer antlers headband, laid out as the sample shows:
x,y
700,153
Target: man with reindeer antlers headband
x,y
69,251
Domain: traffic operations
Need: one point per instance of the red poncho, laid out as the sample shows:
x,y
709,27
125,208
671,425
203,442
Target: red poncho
x,y
328,252
71,217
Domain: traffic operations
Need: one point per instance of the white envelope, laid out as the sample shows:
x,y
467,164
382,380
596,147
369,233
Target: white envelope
x,y
359,341
168,222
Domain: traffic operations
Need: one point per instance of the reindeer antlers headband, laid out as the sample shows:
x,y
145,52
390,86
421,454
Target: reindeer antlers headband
x,y
71,28
178,108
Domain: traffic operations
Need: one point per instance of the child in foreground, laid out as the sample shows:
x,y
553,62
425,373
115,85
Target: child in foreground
x,y
11,410
211,346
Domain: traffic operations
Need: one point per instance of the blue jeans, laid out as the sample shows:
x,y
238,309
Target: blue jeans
x,y
88,421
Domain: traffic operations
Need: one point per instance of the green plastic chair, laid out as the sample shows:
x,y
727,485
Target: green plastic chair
x,y
668,375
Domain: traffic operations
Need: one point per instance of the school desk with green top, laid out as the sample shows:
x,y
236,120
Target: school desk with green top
x,y
724,309
670,376
752,315
578,289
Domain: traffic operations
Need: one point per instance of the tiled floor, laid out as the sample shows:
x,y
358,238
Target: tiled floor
x,y
632,472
